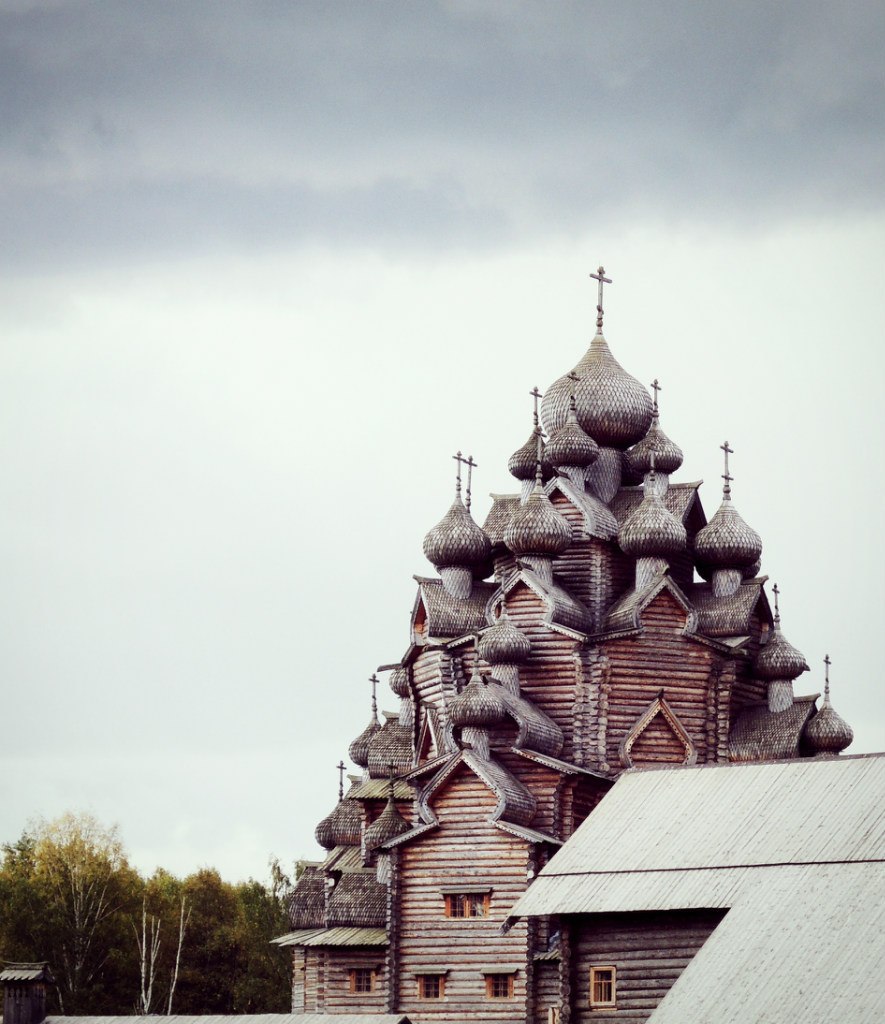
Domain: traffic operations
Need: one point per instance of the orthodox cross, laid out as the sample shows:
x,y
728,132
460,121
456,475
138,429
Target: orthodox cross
x,y
471,465
342,768
725,476
827,664
373,679
574,378
656,388
777,613
459,458
536,394
602,279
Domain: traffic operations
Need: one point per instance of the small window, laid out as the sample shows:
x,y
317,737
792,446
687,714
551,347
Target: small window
x,y
431,986
602,986
362,979
499,986
467,904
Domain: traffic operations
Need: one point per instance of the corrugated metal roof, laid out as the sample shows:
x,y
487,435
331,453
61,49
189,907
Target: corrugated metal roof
x,y
244,1018
348,937
295,938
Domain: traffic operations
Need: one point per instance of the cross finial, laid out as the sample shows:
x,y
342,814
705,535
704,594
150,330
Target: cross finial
x,y
656,388
373,679
391,771
471,465
827,664
574,378
536,394
777,612
538,456
602,279
726,490
459,458
342,768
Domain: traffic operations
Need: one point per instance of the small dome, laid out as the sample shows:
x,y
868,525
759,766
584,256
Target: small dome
x,y
391,745
827,732
652,531
668,456
341,827
779,659
388,825
399,682
523,461
359,749
504,644
456,540
726,542
536,528
612,406
479,704
570,445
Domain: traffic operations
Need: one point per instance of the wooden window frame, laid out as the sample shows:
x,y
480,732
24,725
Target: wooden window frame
x,y
427,982
497,978
463,906
367,973
596,978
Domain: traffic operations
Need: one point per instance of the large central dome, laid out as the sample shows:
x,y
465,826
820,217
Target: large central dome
x,y
612,406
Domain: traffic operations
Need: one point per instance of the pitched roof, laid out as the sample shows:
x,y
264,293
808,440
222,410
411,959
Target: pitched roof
x,y
240,1018
335,937
679,500
598,520
562,608
358,900
503,507
625,614
726,616
760,734
447,616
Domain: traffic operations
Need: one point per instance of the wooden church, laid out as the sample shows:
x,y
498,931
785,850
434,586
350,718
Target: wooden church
x,y
597,622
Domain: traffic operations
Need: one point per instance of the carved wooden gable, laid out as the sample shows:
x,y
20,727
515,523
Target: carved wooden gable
x,y
657,737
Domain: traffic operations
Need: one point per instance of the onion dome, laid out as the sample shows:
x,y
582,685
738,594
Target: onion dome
x,y
456,540
779,659
522,462
504,644
726,542
668,455
388,825
480,704
341,827
570,445
827,732
358,751
391,745
652,531
536,528
399,683
612,406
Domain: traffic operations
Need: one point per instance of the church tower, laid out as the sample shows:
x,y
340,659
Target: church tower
x,y
595,623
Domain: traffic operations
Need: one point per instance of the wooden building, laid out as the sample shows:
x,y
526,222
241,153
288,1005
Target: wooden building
x,y
597,622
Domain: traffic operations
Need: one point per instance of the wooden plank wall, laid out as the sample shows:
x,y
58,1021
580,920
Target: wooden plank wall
x,y
649,951
546,975
642,665
466,850
338,997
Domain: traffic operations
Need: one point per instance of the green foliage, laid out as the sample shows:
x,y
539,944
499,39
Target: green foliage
x,y
68,895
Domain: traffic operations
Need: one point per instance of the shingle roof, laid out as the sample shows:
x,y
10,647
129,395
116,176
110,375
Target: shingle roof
x,y
562,608
307,902
500,514
678,500
726,616
759,734
449,617
358,900
598,520
323,937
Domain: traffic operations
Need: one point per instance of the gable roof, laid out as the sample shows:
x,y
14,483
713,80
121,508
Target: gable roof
x,y
447,616
759,733
680,500
563,610
598,520
626,613
731,615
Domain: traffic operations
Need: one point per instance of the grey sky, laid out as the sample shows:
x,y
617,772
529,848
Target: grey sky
x,y
266,266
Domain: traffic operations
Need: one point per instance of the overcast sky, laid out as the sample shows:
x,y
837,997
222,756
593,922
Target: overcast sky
x,y
266,266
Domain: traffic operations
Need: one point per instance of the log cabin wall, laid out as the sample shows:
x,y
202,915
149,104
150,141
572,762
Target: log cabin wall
x,y
466,851
546,995
339,996
648,950
299,956
641,666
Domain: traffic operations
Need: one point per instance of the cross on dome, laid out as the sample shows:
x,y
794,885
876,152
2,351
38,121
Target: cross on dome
x,y
726,490
373,679
827,664
342,768
656,388
602,279
777,613
471,465
459,458
536,394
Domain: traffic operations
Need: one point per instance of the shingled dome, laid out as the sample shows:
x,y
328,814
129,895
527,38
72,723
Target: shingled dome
x,y
779,659
523,461
399,683
726,542
359,749
827,732
652,531
570,445
341,827
388,825
479,704
456,540
612,406
504,644
668,455
537,528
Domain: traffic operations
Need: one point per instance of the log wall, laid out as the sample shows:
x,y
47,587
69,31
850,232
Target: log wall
x,y
466,850
649,952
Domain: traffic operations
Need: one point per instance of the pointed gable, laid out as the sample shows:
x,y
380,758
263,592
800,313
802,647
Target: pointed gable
x,y
657,737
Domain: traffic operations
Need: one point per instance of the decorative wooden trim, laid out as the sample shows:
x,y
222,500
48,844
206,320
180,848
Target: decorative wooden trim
x,y
658,706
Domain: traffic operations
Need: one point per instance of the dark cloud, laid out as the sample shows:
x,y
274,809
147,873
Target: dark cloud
x,y
163,127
